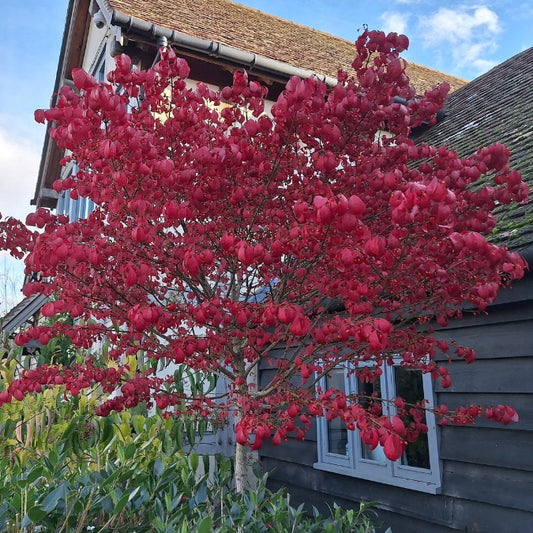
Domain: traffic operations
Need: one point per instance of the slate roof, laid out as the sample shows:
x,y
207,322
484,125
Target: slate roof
x,y
496,107
251,30
22,312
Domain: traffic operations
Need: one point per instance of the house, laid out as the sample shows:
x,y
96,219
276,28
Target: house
x,y
465,479
215,36
477,478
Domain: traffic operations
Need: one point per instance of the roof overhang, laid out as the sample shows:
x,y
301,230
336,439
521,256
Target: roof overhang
x,y
264,67
71,54
22,312
210,61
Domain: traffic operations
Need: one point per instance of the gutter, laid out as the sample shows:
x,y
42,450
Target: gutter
x,y
255,63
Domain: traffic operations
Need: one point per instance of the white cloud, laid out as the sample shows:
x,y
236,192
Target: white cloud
x,y
461,24
474,55
394,21
19,164
467,33
11,281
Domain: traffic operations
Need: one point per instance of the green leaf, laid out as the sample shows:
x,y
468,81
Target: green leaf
x,y
206,525
138,422
133,493
201,493
22,483
105,352
7,428
119,506
76,507
190,429
111,478
235,510
53,498
179,435
129,451
107,504
194,459
36,514
207,463
51,459
158,468
202,426
106,429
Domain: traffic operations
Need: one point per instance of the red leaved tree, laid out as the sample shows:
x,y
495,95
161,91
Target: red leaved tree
x,y
225,238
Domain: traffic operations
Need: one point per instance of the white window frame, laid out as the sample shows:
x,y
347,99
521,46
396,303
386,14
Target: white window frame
x,y
382,470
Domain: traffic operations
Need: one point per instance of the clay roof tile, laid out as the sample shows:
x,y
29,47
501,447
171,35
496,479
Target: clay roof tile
x,y
251,30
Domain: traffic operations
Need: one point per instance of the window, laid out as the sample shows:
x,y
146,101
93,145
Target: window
x,y
99,67
81,207
342,451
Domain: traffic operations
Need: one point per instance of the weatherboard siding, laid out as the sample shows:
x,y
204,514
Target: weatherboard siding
x,y
487,469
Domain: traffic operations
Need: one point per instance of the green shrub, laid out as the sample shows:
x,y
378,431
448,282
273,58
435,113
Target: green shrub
x,y
140,493
130,474
66,470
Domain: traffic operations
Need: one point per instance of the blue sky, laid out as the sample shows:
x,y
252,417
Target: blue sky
x,y
460,37
457,37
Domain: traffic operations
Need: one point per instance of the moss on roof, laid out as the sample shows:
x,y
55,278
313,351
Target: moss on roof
x,y
496,107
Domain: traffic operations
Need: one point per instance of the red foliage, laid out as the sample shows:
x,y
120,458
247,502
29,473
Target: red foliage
x,y
224,237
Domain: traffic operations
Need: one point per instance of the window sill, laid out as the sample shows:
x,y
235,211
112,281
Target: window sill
x,y
420,485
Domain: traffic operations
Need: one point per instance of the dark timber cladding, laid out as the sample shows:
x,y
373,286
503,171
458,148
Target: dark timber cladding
x,y
486,469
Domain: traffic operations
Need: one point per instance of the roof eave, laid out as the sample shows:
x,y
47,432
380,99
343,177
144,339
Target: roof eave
x,y
254,63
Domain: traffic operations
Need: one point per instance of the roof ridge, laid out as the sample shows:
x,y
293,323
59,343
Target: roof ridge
x,y
500,67
437,71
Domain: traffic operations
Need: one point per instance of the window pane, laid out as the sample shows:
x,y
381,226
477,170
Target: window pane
x,y
370,396
66,203
337,432
371,401
60,204
409,386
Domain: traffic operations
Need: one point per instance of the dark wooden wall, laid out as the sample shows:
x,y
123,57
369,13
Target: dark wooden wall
x,y
487,469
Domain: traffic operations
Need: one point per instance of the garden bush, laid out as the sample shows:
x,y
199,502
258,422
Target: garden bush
x,y
64,469
129,472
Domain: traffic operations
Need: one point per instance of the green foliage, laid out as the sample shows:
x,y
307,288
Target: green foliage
x,y
146,494
66,470
129,472
260,510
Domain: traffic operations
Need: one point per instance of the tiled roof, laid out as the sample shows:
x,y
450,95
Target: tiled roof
x,y
251,30
496,107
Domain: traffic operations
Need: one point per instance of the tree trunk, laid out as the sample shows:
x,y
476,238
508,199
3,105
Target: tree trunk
x,y
244,475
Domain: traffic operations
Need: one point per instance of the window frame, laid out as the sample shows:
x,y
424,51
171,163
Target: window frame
x,y
385,471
